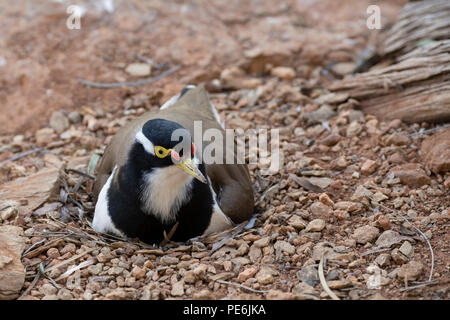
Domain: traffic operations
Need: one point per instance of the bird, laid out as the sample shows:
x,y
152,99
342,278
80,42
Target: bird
x,y
144,189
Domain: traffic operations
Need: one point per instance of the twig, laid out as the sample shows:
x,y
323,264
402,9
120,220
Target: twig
x,y
33,283
415,228
429,130
167,237
69,260
78,267
129,83
323,282
81,173
21,155
428,283
242,286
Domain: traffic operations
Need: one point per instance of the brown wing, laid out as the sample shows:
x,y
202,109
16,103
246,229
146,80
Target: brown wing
x,y
231,182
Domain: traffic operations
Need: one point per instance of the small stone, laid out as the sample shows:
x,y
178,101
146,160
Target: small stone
x,y
376,281
407,249
303,290
246,274
383,260
339,164
285,73
368,167
315,225
353,129
264,276
190,277
70,247
74,117
387,238
384,222
261,243
198,246
95,269
361,193
8,213
309,275
379,197
411,271
284,246
347,206
339,284
138,272
324,113
254,254
279,295
325,199
177,289
398,257
52,253
48,289
320,210
64,294
398,139
44,136
447,183
331,140
435,151
138,69
297,222
411,174
168,260
365,234
59,121
343,68
204,294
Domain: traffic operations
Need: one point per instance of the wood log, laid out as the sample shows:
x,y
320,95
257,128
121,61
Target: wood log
x,y
415,89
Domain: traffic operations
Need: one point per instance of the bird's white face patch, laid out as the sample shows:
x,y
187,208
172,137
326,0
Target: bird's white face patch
x,y
147,144
102,221
165,191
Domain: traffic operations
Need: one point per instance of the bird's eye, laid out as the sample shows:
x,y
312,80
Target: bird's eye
x,y
161,152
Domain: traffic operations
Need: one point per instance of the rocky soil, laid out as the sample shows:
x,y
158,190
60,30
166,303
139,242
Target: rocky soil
x,y
361,199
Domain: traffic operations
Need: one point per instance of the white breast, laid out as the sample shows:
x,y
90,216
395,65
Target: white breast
x,y
165,191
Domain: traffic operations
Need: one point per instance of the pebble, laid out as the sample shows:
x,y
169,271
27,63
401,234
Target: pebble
x,y
386,239
177,289
320,210
407,249
74,117
47,289
168,260
285,73
411,174
58,121
261,243
254,254
383,260
398,139
190,277
398,257
412,271
325,199
315,225
138,69
361,193
368,167
64,294
365,234
52,253
138,272
379,197
279,295
265,275
384,222
297,222
353,129
309,275
8,213
246,274
284,246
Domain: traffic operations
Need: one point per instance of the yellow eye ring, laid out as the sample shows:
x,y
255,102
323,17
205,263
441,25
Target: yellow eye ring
x,y
161,152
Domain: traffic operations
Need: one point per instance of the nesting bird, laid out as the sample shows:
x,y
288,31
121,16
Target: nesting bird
x,y
144,185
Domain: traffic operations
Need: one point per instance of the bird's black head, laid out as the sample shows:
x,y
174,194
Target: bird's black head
x,y
163,143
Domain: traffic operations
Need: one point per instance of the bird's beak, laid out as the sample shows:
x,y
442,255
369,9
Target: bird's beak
x,y
189,167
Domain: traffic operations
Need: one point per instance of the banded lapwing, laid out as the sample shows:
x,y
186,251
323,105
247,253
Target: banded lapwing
x,y
144,187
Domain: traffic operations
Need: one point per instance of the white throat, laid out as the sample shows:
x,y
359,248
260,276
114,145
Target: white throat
x,y
165,190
